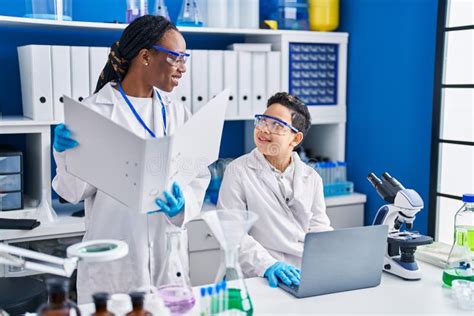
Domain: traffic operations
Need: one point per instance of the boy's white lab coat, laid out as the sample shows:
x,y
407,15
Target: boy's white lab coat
x,y
107,218
278,235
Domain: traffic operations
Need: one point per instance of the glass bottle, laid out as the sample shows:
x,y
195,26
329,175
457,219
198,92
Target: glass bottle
x,y
58,304
190,14
100,302
460,264
229,227
138,299
174,285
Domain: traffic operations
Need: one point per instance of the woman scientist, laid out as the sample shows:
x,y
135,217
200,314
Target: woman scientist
x,y
149,58
287,194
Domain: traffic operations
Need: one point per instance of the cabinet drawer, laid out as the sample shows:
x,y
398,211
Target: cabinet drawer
x,y
200,236
10,182
11,201
10,164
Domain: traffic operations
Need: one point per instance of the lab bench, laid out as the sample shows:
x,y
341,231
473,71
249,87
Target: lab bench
x,y
393,296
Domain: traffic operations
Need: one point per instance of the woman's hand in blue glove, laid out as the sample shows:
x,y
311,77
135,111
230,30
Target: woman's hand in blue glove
x,y
62,139
174,202
283,272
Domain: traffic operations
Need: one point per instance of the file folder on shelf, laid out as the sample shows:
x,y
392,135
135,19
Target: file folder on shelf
x,y
182,92
80,72
136,170
245,84
230,82
259,82
273,73
216,72
199,79
61,62
36,81
97,59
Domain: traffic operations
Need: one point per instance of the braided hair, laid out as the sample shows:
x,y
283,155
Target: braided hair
x,y
142,33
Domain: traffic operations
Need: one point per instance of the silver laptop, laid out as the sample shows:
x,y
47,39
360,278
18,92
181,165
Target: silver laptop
x,y
341,260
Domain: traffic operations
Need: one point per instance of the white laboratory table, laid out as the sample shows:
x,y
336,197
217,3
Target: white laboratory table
x,y
393,296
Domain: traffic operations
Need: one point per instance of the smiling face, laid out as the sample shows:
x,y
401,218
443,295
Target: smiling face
x,y
277,144
160,72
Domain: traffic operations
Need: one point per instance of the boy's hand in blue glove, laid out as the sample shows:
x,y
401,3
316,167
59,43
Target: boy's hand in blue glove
x,y
62,139
283,272
174,202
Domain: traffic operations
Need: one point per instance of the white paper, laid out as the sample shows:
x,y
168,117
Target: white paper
x,y
134,170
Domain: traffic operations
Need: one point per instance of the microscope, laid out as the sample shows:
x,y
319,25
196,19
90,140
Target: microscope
x,y
400,213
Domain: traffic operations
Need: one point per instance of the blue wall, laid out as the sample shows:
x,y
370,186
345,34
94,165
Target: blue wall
x,y
390,92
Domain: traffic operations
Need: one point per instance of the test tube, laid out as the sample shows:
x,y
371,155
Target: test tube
x,y
209,294
217,300
225,296
204,306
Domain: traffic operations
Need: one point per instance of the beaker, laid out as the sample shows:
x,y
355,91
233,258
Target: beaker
x,y
161,9
174,285
135,9
460,263
190,14
229,227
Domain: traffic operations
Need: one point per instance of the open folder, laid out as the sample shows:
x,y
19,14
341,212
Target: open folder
x,y
135,170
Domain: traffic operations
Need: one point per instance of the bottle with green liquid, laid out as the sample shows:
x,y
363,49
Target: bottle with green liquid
x,y
460,264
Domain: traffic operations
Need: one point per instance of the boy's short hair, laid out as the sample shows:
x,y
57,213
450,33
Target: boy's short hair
x,y
300,117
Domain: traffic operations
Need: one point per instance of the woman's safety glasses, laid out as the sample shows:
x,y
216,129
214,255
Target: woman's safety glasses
x,y
173,58
274,125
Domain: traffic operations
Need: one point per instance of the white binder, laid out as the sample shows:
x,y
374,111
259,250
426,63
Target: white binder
x,y
259,74
245,84
199,79
216,72
230,82
97,59
182,92
80,72
217,13
36,81
273,73
61,63
135,170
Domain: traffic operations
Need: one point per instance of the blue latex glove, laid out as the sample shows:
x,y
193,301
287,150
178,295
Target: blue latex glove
x,y
174,202
283,272
62,139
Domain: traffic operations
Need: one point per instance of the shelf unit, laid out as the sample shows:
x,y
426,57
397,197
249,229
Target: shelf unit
x,y
327,135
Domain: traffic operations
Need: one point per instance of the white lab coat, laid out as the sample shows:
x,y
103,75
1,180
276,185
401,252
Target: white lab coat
x,y
107,218
278,235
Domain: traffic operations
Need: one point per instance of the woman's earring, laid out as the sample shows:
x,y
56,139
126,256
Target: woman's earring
x,y
146,64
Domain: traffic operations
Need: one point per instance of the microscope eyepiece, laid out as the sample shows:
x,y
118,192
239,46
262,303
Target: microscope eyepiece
x,y
374,180
393,182
382,188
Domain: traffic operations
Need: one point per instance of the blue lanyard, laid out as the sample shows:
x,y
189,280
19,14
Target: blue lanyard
x,y
137,116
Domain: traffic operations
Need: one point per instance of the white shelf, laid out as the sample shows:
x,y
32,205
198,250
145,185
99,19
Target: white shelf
x,y
19,21
8,121
354,198
66,225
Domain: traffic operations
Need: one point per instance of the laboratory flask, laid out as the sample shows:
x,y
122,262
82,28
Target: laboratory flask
x,y
174,285
229,227
161,9
460,263
190,14
135,9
